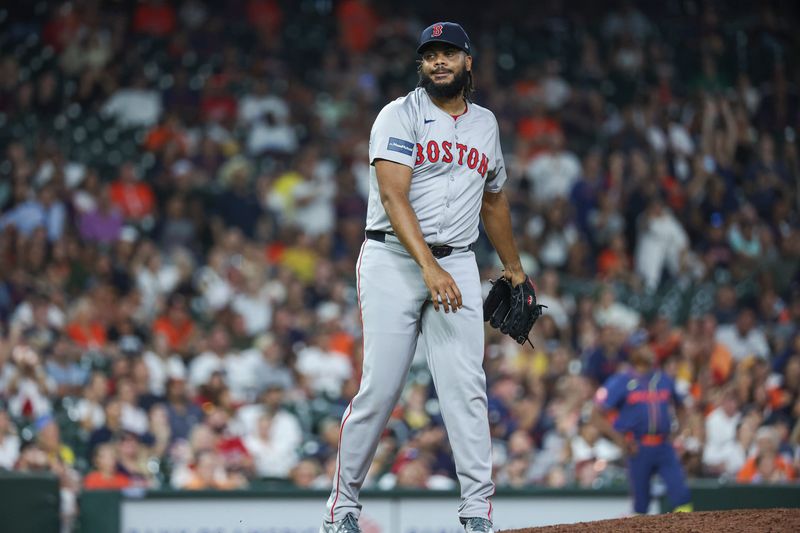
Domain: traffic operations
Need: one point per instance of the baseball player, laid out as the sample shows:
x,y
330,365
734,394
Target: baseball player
x,y
644,397
436,169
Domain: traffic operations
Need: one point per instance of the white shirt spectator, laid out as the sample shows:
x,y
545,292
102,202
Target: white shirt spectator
x,y
7,374
676,138
554,243
314,205
154,280
29,397
132,107
754,342
602,449
160,369
722,447
261,373
556,92
267,136
253,107
133,418
23,316
9,451
555,310
216,290
662,242
275,455
618,315
326,371
203,367
91,410
255,310
241,370
553,175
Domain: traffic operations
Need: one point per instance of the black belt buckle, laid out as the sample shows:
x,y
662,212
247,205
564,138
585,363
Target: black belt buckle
x,y
379,236
441,251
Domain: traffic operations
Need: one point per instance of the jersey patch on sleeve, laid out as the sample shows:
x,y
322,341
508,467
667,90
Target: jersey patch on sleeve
x,y
399,145
601,396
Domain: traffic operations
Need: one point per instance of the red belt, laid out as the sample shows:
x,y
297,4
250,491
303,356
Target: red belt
x,y
647,440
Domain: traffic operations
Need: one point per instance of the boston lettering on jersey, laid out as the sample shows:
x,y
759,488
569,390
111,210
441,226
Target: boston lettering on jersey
x,y
646,396
446,153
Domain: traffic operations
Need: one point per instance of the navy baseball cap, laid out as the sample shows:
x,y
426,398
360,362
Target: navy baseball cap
x,y
445,32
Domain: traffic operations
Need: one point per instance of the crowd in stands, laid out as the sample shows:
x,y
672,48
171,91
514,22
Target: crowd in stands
x,y
183,191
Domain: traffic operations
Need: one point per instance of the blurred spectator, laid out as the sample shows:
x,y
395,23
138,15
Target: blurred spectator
x,y
305,474
103,223
132,196
605,359
272,434
64,369
90,408
111,429
611,313
325,371
744,338
84,327
42,210
29,389
209,473
765,465
134,106
266,361
553,173
105,475
721,454
9,442
176,325
662,243
274,455
182,413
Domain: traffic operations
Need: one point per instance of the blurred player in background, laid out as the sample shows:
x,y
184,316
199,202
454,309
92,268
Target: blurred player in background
x,y
643,398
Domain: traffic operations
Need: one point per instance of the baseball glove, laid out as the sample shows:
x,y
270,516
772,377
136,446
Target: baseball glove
x,y
512,310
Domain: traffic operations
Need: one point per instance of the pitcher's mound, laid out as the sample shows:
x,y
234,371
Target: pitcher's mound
x,y
745,520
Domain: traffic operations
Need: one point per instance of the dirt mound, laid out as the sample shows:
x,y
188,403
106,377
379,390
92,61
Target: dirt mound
x,y
762,520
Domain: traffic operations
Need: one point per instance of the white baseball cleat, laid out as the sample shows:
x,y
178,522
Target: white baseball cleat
x,y
478,525
348,524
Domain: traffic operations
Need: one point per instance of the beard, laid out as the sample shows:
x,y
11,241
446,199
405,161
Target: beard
x,y
444,90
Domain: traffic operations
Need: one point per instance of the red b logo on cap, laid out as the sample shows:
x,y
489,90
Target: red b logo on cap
x,y
437,30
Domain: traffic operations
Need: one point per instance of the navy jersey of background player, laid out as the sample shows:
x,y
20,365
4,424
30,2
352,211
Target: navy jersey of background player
x,y
644,401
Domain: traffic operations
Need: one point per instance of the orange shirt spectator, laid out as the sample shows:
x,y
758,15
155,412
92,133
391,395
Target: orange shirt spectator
x,y
84,328
721,363
177,333
341,342
95,480
105,475
87,335
764,468
154,18
176,325
164,134
134,198
611,263
358,23
535,131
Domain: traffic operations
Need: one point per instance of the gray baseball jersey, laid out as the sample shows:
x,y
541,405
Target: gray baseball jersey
x,y
453,162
